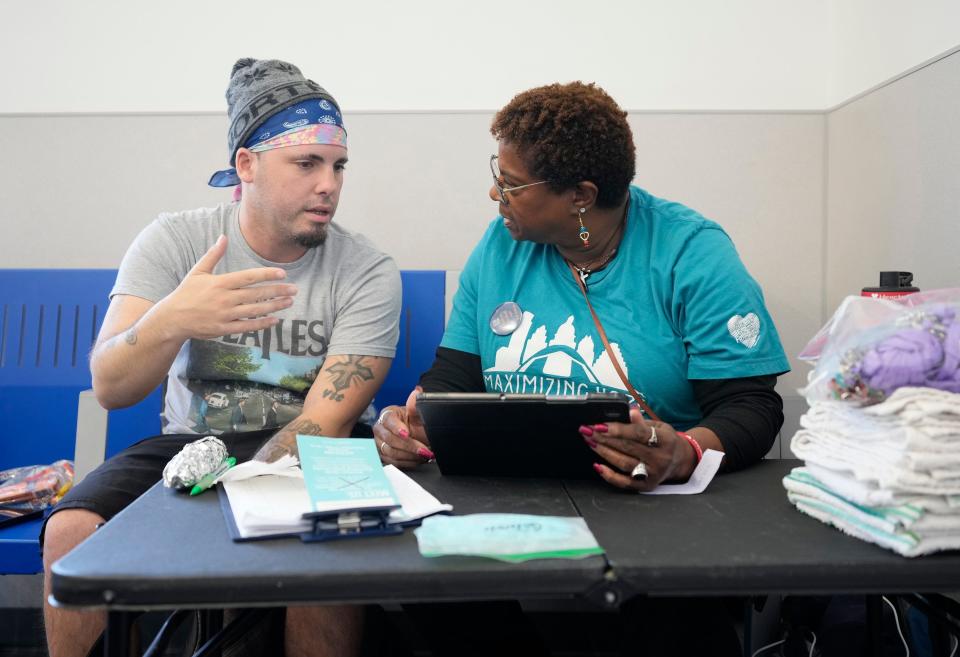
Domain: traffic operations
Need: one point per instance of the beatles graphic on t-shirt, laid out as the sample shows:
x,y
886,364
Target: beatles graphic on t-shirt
x,y
255,380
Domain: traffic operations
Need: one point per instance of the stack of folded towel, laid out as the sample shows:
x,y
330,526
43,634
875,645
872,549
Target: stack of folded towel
x,y
887,473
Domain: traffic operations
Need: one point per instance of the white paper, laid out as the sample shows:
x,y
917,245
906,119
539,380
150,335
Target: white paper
x,y
702,475
268,505
271,498
415,501
285,466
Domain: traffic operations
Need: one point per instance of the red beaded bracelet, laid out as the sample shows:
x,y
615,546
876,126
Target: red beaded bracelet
x,y
693,443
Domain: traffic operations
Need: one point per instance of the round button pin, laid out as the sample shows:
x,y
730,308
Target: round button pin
x,y
506,318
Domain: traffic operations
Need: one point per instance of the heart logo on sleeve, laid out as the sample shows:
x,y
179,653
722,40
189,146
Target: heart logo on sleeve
x,y
745,330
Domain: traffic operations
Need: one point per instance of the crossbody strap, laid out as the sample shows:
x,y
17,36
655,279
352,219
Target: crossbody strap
x,y
606,345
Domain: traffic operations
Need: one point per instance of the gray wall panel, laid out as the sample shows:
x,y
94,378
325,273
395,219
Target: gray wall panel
x,y
761,178
77,189
894,183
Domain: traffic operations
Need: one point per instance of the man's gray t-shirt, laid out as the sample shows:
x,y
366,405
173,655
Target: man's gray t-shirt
x,y
348,302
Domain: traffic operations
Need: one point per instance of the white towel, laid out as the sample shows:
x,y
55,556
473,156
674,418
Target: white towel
x,y
869,494
939,427
933,434
900,529
903,544
916,515
919,404
910,405
888,467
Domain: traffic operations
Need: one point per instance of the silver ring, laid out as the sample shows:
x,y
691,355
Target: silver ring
x,y
639,472
653,441
383,414
383,447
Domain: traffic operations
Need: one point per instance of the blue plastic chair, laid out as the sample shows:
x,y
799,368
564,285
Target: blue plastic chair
x,y
421,328
49,319
48,322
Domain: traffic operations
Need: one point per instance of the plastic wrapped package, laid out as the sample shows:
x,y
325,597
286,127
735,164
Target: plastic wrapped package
x,y
871,347
32,488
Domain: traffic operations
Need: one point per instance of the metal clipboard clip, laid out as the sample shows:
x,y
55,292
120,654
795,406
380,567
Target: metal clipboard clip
x,y
350,523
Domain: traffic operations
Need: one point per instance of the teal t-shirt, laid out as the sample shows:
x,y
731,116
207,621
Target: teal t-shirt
x,y
676,303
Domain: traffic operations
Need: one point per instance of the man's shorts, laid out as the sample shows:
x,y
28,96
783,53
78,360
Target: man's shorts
x,y
119,481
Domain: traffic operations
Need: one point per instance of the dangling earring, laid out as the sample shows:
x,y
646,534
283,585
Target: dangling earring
x,y
584,233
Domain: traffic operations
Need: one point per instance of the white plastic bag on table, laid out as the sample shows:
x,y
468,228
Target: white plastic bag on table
x,y
871,347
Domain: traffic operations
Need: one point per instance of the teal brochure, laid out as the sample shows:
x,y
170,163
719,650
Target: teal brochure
x,y
344,474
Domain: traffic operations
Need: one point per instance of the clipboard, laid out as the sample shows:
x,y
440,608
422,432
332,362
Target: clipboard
x,y
357,496
322,526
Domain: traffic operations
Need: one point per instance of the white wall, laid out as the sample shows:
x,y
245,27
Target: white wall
x,y
873,41
175,55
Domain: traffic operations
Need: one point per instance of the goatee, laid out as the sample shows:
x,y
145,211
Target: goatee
x,y
313,239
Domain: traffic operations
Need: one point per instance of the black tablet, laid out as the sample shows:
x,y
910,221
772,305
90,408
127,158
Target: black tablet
x,y
492,434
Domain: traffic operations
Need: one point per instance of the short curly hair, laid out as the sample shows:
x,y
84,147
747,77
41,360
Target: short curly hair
x,y
567,133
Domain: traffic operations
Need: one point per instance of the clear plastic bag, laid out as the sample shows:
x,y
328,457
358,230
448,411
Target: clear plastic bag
x,y
871,347
33,488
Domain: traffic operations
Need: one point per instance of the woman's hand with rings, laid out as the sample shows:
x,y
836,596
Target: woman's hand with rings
x,y
400,437
643,454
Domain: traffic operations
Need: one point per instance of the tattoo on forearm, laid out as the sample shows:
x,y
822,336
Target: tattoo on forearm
x,y
271,451
285,441
343,374
129,337
303,426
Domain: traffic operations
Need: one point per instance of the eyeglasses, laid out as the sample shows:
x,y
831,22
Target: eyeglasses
x,y
501,190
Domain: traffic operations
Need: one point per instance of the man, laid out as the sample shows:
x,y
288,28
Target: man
x,y
262,300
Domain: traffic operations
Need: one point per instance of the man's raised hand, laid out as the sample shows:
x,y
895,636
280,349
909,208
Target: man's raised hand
x,y
208,305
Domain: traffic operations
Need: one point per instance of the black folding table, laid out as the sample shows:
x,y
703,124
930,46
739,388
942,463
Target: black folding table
x,y
740,537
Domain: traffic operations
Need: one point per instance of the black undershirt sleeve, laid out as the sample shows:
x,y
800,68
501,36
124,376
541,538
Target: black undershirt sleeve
x,y
453,371
746,414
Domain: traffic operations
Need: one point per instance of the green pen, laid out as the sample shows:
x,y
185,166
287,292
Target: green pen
x,y
206,481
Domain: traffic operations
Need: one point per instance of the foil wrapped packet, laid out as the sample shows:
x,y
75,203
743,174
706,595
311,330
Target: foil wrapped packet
x,y
195,460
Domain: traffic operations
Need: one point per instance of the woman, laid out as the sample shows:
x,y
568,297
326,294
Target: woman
x,y
685,321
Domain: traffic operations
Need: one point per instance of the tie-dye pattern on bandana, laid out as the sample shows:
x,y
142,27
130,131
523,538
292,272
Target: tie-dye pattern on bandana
x,y
311,134
310,122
